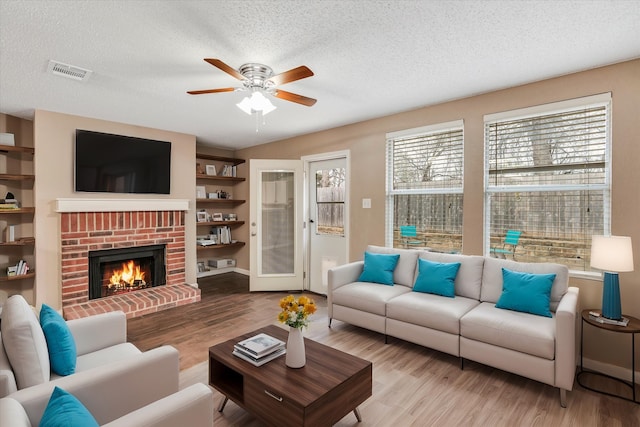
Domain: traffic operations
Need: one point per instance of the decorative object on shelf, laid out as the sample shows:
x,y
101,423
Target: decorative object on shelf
x,y
201,192
613,254
7,139
201,216
217,216
199,168
295,314
211,170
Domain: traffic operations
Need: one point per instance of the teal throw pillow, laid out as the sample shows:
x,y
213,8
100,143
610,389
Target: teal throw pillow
x,y
526,292
65,410
378,268
62,346
436,277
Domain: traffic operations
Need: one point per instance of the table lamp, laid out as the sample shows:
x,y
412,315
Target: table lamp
x,y
612,254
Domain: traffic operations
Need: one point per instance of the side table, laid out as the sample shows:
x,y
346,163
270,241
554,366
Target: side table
x,y
632,328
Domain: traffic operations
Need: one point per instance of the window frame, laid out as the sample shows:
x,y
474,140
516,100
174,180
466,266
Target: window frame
x,y
600,100
390,192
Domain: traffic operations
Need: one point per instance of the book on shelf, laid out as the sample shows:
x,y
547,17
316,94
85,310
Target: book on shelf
x,y
259,361
260,345
600,319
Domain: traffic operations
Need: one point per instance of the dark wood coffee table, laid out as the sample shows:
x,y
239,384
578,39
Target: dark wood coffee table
x,y
330,385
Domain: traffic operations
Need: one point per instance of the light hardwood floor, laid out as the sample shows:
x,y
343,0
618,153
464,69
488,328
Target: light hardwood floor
x,y
412,385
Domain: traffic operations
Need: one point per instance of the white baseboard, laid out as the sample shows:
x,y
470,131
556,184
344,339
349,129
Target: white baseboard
x,y
611,370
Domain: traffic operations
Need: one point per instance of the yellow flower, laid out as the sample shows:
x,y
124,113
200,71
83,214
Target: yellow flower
x,y
294,312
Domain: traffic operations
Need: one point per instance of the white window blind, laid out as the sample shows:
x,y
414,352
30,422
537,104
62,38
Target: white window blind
x,y
547,175
424,186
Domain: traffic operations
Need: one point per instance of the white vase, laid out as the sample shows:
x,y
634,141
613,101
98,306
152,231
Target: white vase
x,y
295,357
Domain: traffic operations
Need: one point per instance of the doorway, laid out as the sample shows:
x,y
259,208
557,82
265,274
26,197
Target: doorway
x,y
327,211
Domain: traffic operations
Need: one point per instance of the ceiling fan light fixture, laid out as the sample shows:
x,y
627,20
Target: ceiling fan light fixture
x,y
257,102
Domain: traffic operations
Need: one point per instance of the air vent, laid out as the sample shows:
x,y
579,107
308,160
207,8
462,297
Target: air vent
x,y
69,71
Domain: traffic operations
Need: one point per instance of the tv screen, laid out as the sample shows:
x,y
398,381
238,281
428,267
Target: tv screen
x,y
110,163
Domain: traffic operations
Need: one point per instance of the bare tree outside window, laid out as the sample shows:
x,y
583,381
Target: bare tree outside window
x,y
425,172
547,177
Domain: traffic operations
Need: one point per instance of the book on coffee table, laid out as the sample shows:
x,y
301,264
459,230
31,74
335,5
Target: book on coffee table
x,y
259,345
259,361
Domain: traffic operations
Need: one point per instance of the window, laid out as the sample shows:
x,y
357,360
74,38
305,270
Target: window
x,y
330,191
547,175
424,187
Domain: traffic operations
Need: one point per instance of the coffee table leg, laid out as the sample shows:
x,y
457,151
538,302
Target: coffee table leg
x,y
224,402
356,412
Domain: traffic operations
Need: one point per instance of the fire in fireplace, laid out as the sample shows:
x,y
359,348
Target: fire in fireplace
x,y
121,270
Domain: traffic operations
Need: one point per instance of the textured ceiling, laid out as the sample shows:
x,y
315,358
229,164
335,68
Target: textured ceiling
x,y
370,58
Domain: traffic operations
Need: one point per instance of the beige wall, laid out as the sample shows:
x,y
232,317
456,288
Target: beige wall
x,y
366,141
54,134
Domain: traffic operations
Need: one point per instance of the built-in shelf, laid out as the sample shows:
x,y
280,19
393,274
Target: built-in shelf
x,y
13,177
220,178
230,245
17,211
231,160
219,223
19,277
24,241
221,201
14,149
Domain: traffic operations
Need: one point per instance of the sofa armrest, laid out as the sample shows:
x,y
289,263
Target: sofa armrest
x,y
344,274
12,413
7,379
339,276
113,390
566,339
191,407
111,327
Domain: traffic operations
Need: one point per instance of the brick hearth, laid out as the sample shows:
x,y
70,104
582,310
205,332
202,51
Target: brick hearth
x,y
82,232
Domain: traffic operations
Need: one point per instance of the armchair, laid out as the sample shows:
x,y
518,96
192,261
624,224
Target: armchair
x,y
115,404
101,345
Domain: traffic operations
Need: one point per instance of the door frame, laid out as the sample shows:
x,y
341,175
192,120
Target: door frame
x,y
306,160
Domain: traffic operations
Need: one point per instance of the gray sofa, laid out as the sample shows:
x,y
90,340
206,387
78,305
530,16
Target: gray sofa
x,y
469,326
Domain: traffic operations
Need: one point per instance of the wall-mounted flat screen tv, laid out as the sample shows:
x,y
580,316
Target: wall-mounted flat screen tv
x,y
110,163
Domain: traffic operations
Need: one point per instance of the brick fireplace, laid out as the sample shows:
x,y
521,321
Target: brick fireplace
x,y
83,232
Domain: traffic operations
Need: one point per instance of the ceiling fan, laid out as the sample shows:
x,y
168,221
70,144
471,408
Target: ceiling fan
x,y
259,79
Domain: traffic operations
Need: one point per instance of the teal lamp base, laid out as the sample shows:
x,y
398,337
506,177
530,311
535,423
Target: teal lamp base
x,y
611,297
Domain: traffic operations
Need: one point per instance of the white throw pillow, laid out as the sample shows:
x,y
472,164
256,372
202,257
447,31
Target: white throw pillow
x,y
24,343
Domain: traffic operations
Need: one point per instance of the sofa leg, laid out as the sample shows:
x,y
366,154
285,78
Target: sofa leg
x,y
386,339
462,363
563,398
330,319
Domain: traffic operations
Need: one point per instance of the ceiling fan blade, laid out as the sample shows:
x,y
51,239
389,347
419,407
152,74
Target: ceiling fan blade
x,y
301,72
294,97
224,67
200,92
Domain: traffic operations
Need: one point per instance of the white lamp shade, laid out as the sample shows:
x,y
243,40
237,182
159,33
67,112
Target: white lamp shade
x,y
612,253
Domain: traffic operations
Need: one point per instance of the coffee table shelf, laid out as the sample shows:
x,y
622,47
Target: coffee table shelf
x,y
331,384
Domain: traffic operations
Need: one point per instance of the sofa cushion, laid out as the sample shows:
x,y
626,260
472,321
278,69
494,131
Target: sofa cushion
x,y
369,297
492,278
522,332
431,311
378,268
469,278
526,292
24,343
405,272
62,346
436,277
115,353
65,410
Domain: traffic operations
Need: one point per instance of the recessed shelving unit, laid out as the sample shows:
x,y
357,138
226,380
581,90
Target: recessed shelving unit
x,y
225,206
